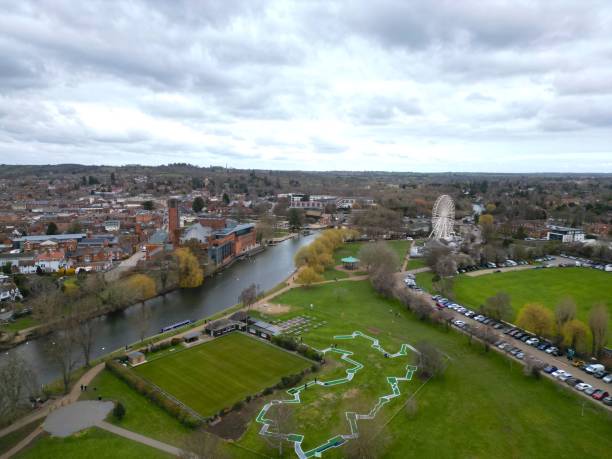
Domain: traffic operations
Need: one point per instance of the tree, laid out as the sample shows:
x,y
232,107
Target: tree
x,y
226,199
119,411
383,280
575,334
430,361
197,205
296,219
376,255
265,228
565,311
598,323
371,442
85,329
446,266
202,445
282,424
190,272
148,205
307,276
75,227
487,227
141,287
498,307
51,229
62,352
248,296
144,320
536,318
7,268
17,384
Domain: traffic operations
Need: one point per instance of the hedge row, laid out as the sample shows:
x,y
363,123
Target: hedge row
x,y
291,344
148,390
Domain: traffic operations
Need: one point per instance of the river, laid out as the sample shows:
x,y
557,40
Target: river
x,y
220,292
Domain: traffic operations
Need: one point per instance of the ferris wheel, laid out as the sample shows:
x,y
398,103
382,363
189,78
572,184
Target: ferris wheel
x,y
442,218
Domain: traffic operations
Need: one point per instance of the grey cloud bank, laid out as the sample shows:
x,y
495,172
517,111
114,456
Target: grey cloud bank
x,y
387,85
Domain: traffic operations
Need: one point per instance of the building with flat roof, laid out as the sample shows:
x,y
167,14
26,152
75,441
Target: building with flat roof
x,y
565,234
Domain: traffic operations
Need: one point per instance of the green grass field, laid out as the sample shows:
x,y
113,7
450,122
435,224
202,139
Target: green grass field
x,y
414,263
482,407
215,375
91,443
547,286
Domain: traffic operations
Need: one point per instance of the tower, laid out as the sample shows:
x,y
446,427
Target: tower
x,y
173,222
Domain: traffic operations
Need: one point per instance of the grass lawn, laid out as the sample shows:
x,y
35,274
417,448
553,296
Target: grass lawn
x,y
414,263
547,286
141,415
483,406
91,443
10,440
19,324
215,375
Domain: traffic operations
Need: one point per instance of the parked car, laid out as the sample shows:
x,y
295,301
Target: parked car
x,y
582,386
549,369
607,379
578,363
565,376
532,341
558,373
600,374
520,355
594,368
607,400
590,390
600,394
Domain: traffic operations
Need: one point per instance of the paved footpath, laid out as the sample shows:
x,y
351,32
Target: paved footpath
x,y
177,452
67,399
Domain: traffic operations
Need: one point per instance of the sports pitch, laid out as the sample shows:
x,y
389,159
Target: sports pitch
x,y
215,375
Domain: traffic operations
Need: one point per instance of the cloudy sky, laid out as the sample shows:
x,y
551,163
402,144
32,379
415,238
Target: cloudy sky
x,y
354,85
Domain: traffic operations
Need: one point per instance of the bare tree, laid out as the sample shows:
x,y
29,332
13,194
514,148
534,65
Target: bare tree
x,y
203,445
62,352
430,360
598,323
498,307
565,311
17,384
446,266
283,423
144,320
371,442
383,280
533,366
378,255
85,336
248,296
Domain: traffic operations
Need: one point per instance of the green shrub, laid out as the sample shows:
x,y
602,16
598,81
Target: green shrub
x,y
119,411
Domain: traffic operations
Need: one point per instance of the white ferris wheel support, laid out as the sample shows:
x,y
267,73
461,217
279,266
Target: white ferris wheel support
x,y
442,218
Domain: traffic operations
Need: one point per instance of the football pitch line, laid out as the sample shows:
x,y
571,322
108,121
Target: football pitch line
x,y
351,417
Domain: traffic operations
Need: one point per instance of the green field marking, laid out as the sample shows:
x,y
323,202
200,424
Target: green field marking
x,y
351,417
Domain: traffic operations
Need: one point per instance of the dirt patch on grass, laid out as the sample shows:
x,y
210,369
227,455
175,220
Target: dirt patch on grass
x,y
272,308
351,393
374,330
233,425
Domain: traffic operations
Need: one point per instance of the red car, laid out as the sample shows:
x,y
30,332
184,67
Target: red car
x,y
599,394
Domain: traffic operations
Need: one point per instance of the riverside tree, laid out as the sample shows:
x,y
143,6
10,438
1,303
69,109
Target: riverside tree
x,y
190,272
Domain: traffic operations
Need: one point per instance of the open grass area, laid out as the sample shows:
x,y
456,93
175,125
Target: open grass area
x,y
20,324
483,406
90,443
217,374
547,286
141,415
415,263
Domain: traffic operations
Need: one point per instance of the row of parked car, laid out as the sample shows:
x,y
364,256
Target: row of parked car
x,y
491,265
598,394
594,369
586,263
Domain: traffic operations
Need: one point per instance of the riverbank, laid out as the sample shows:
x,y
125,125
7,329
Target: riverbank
x,y
10,340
